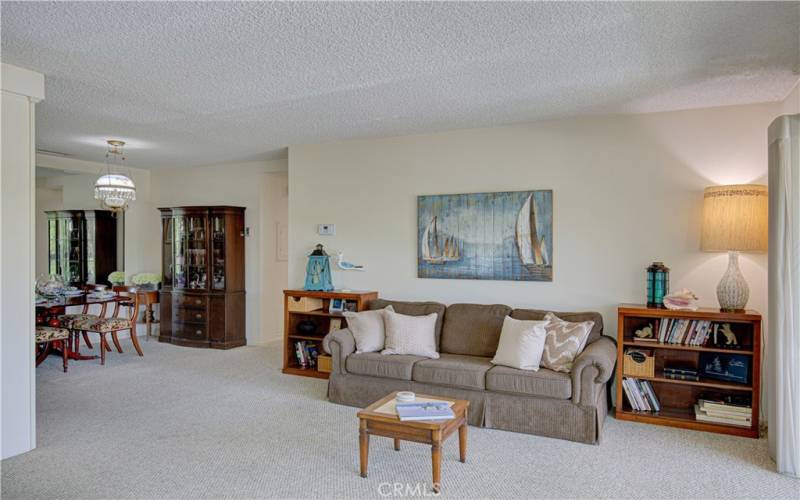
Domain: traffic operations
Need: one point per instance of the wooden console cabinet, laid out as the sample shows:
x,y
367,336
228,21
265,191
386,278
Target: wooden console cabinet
x,y
82,245
203,295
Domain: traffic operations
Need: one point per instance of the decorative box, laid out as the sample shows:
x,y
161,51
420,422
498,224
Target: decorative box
x,y
324,363
303,304
638,363
727,367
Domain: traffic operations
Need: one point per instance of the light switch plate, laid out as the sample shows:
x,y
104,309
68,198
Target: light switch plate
x,y
326,229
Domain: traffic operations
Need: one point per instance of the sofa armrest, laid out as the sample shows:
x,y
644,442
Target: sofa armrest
x,y
339,344
592,369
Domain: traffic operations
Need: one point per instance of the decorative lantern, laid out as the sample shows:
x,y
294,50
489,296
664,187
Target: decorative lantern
x,y
318,271
657,284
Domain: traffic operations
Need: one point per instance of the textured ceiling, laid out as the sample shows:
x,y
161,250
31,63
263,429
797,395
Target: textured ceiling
x,y
204,83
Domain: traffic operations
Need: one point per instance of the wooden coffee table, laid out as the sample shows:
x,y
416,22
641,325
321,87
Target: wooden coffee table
x,y
380,419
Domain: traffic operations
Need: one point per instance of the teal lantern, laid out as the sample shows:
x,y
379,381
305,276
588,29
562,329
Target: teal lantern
x,y
318,271
657,284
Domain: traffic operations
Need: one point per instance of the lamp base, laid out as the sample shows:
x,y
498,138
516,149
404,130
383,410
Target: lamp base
x,y
732,290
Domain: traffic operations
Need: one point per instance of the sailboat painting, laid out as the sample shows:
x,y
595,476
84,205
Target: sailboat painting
x,y
489,236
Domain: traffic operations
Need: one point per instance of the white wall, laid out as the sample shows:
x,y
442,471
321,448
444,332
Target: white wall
x,y
21,90
627,191
275,274
791,104
244,185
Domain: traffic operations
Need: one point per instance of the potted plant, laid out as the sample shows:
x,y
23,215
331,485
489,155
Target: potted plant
x,y
117,278
147,281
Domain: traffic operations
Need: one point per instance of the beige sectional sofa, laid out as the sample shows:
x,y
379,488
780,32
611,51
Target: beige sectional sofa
x,y
561,405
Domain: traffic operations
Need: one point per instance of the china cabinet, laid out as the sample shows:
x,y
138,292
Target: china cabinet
x,y
82,245
203,294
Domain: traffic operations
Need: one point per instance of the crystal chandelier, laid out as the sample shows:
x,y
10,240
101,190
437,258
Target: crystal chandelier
x,y
114,190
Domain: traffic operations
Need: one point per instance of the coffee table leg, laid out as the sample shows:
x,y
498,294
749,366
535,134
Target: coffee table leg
x,y
396,444
436,459
462,442
363,446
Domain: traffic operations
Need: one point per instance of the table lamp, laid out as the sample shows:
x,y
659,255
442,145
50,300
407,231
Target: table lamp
x,y
735,219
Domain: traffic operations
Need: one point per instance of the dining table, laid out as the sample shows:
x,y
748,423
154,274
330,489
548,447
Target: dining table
x,y
48,309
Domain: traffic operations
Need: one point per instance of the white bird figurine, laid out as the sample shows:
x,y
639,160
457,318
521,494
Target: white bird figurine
x,y
347,266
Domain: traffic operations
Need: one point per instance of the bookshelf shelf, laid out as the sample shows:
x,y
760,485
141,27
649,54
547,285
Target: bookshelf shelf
x,y
678,397
678,347
321,320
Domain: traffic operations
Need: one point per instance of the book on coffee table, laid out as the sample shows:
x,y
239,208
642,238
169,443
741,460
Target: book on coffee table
x,y
424,411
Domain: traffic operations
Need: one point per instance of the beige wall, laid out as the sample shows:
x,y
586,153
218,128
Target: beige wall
x,y
244,185
258,186
791,104
627,191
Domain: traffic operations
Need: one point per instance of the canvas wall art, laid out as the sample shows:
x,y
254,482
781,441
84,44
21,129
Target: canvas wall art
x,y
488,236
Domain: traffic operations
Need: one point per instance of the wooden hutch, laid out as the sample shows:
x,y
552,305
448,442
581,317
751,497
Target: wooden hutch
x,y
678,396
308,317
203,294
82,245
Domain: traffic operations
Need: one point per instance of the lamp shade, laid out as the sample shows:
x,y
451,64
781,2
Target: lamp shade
x,y
735,218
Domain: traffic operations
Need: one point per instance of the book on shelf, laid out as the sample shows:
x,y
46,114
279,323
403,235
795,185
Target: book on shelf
x,y
306,353
704,415
424,411
641,395
681,373
687,332
732,403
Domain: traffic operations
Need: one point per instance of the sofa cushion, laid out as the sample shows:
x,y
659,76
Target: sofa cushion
x,y
574,317
375,364
473,329
454,370
414,309
544,383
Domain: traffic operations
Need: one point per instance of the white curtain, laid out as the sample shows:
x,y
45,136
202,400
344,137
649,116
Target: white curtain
x,y
783,348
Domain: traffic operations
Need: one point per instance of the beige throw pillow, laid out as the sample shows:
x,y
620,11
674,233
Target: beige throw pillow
x,y
367,328
414,335
521,344
564,342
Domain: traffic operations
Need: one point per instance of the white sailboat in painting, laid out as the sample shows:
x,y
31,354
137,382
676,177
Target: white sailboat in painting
x,y
437,247
532,249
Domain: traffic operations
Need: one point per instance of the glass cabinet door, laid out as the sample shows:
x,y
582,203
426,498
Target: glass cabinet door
x,y
196,266
218,252
52,245
179,244
91,276
168,265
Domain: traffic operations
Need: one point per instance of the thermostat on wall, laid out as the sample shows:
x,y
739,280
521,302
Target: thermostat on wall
x,y
326,229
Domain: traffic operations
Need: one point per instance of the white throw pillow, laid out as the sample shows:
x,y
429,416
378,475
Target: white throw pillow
x,y
565,341
414,335
521,344
367,328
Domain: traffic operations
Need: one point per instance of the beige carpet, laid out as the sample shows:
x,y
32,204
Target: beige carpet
x,y
190,423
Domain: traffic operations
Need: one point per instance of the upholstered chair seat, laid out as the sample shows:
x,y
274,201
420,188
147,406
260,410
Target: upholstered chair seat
x,y
68,320
48,337
50,333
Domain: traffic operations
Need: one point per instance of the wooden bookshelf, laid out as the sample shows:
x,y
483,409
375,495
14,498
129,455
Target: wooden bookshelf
x,y
677,397
321,317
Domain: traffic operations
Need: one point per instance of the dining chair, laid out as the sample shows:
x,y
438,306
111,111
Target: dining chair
x,y
68,320
118,321
48,337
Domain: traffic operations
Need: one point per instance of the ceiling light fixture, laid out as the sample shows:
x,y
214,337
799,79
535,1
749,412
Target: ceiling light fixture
x,y
114,190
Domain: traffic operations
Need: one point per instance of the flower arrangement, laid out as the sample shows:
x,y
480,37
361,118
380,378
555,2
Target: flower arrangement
x,y
117,277
147,279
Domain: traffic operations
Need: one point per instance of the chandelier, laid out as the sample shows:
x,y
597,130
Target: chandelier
x,y
114,190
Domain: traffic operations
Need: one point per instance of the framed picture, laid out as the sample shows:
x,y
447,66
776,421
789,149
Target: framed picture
x,y
336,324
350,305
336,305
486,236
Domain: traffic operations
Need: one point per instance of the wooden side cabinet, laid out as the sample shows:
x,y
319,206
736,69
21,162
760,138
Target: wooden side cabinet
x,y
203,294
679,395
308,317
82,245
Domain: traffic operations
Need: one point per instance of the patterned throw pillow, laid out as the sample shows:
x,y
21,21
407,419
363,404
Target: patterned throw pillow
x,y
414,335
367,329
564,342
